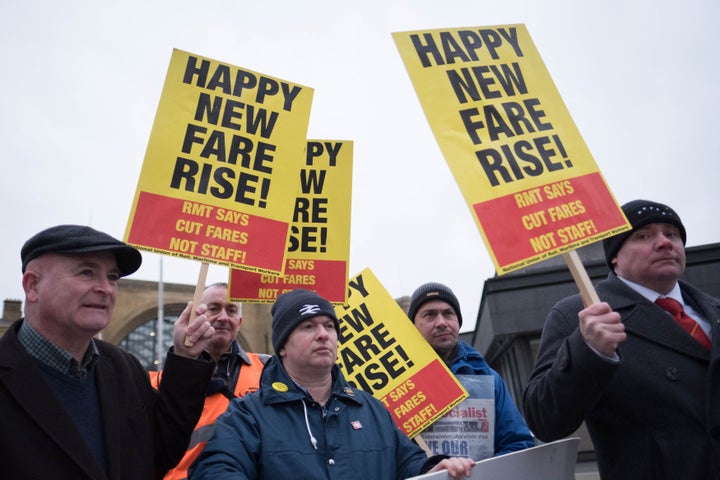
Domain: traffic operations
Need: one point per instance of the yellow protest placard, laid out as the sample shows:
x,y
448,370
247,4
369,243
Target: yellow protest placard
x,y
220,171
380,351
529,179
319,245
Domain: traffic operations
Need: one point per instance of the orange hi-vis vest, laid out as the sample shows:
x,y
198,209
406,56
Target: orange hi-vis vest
x,y
248,380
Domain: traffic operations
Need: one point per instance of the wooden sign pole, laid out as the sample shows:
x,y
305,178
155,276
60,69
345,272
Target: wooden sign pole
x,y
197,297
579,274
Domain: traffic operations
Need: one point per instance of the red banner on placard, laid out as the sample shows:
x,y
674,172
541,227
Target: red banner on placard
x,y
411,404
514,150
542,221
321,276
207,232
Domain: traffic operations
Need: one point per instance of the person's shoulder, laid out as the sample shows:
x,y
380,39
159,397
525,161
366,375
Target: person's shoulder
x,y
365,399
569,302
465,350
110,353
687,287
262,358
344,390
466,346
11,350
249,401
11,334
605,286
705,299
356,392
106,348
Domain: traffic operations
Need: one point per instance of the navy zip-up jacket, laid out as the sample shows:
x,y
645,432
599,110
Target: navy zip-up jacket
x,y
281,432
511,431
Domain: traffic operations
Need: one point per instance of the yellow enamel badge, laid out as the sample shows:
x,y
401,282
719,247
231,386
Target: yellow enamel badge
x,y
280,387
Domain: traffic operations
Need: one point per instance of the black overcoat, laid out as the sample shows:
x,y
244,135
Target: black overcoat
x,y
145,431
655,414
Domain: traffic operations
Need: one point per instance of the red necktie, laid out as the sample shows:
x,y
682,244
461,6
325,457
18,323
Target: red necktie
x,y
685,321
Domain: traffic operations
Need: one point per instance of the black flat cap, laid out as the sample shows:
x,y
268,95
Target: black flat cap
x,y
80,239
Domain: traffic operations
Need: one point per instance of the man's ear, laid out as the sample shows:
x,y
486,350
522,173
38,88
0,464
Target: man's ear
x,y
30,282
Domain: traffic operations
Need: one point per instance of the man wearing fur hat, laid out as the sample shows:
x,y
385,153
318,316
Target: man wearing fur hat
x,y
435,311
647,387
306,421
73,406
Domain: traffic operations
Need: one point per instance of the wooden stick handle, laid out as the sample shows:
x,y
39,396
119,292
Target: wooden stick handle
x,y
422,444
579,274
197,297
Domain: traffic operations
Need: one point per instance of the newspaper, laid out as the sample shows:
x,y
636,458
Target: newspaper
x,y
468,430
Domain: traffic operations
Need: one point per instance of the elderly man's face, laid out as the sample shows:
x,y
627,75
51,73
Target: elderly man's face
x,y
652,256
73,294
225,318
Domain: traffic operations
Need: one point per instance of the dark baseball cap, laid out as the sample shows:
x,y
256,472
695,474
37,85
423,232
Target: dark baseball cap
x,y
80,239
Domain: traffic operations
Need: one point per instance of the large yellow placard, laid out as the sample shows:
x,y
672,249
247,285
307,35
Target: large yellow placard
x,y
318,251
515,152
219,179
380,351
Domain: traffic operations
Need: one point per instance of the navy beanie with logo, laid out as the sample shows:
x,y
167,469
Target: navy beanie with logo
x,y
292,308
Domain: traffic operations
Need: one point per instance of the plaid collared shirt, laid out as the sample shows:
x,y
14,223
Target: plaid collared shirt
x,y
53,356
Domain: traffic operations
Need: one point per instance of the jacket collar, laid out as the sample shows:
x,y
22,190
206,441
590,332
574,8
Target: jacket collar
x,y
276,386
24,381
649,321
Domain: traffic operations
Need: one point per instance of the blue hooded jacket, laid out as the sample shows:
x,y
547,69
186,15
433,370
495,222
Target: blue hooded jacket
x,y
511,431
281,432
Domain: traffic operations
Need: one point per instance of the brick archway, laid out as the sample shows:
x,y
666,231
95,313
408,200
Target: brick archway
x,y
137,303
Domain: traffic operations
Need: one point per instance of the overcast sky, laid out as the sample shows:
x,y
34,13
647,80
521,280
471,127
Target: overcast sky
x,y
81,81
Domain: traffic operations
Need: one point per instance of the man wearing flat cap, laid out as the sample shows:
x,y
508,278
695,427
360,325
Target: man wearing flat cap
x,y
306,421
435,311
642,367
73,406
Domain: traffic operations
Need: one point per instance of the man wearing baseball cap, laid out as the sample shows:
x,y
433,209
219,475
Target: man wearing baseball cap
x,y
435,311
306,421
641,368
74,406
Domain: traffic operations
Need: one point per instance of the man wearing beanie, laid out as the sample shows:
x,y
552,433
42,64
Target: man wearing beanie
x,y
306,421
236,373
435,311
641,368
73,406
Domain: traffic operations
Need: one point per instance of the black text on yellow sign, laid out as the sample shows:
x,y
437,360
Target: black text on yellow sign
x,y
213,155
498,119
371,356
309,232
